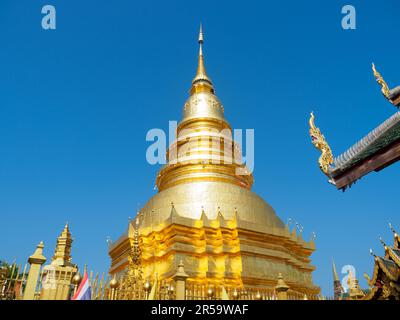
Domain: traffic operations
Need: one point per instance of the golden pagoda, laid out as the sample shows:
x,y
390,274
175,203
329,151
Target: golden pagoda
x,y
205,215
57,276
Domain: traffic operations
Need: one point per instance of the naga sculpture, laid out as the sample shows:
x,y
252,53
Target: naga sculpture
x,y
384,87
318,140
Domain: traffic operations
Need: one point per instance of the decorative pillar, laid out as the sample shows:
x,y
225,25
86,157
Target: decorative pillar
x,y
281,288
113,288
147,288
180,282
36,260
76,280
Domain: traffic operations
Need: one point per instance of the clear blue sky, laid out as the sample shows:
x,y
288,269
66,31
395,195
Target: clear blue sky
x,y
76,104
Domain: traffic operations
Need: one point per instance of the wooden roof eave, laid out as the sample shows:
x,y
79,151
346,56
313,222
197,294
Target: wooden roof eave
x,y
392,254
373,294
387,272
374,152
383,158
375,275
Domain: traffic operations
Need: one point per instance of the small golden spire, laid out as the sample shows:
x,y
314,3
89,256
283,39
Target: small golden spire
x,y
201,81
201,70
335,274
62,253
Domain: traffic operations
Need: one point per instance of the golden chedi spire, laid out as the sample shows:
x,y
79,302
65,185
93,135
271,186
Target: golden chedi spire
x,y
205,214
204,149
335,274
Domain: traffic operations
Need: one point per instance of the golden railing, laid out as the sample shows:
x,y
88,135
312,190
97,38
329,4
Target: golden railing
x,y
103,287
12,282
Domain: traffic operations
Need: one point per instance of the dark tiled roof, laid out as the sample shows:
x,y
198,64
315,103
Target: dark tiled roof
x,y
397,251
394,93
390,268
382,136
395,255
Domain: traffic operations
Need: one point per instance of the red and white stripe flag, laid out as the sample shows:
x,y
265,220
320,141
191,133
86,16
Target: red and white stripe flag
x,y
84,290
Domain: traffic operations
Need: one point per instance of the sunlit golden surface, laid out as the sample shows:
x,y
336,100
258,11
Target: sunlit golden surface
x,y
206,215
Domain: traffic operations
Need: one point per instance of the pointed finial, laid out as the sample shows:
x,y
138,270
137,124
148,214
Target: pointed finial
x,y
335,274
201,81
201,38
383,243
391,228
372,253
37,256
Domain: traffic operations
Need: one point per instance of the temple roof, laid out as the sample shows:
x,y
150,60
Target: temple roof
x,y
394,95
385,134
377,150
386,273
389,267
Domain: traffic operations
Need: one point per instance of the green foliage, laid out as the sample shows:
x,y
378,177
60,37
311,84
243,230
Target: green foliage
x,y
11,269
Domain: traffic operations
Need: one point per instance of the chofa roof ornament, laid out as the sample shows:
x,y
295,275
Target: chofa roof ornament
x,y
392,95
319,141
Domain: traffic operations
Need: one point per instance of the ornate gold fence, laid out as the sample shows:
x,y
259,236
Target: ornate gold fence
x,y
12,282
214,292
47,286
55,282
103,288
62,285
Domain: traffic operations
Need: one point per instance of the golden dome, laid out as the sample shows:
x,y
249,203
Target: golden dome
x,y
191,199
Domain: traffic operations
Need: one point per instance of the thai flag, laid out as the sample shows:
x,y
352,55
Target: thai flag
x,y
84,291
